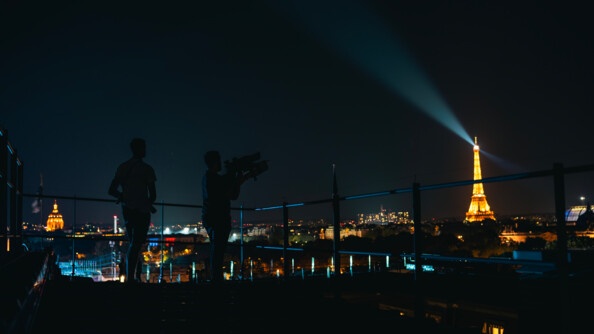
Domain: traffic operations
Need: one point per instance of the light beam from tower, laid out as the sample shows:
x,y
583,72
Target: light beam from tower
x,y
364,39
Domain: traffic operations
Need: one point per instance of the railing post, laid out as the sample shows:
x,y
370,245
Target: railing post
x,y
3,189
286,263
336,229
336,216
73,235
162,244
11,196
241,242
15,226
19,203
562,262
418,248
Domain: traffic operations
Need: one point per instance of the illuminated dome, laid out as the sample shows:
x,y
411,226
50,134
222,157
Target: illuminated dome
x,y
54,220
583,216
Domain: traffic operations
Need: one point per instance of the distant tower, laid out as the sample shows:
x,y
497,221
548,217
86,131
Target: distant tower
x,y
479,208
54,220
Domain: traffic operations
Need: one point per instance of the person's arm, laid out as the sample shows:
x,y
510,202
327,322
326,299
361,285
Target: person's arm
x,y
152,188
114,188
235,186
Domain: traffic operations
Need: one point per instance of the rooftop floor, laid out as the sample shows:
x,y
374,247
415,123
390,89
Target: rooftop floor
x,y
452,303
232,307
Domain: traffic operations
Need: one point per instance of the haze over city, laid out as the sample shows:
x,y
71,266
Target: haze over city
x,y
390,93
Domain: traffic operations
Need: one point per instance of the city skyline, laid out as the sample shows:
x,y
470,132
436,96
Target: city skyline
x,y
477,200
388,93
54,220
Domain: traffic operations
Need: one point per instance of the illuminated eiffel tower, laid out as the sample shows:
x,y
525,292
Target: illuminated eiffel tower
x,y
479,208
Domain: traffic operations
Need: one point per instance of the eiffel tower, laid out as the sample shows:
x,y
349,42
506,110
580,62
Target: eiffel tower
x,y
479,208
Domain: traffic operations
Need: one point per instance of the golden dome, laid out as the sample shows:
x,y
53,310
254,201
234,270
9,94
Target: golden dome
x,y
54,220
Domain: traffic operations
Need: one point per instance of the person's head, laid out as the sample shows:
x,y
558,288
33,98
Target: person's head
x,y
138,147
213,160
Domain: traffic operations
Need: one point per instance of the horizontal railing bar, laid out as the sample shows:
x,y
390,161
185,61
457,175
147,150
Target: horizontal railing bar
x,y
509,177
491,260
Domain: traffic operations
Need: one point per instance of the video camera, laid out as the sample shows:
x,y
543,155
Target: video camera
x,y
249,165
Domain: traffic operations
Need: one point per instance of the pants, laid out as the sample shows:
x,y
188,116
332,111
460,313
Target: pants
x,y
219,236
137,225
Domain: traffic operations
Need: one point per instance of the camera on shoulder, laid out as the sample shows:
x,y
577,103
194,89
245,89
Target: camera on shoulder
x,y
249,165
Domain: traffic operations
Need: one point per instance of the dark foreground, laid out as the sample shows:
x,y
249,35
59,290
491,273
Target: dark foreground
x,y
345,305
384,301
83,306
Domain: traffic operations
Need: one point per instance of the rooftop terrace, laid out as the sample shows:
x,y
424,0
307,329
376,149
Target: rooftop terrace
x,y
36,297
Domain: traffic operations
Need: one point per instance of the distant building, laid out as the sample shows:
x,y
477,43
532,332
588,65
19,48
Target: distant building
x,y
55,221
581,216
384,217
479,208
328,233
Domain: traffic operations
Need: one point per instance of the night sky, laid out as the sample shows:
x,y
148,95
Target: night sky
x,y
390,92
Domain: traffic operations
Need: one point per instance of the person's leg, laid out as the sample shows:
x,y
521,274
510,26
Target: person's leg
x,y
140,233
128,266
220,246
138,272
213,264
216,257
132,253
137,229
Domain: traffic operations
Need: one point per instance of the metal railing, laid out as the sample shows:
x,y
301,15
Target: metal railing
x,y
11,203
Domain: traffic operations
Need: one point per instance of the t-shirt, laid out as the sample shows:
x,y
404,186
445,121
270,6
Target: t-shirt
x,y
217,192
134,176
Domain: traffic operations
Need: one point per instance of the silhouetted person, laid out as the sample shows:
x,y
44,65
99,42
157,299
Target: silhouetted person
x,y
217,192
134,187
